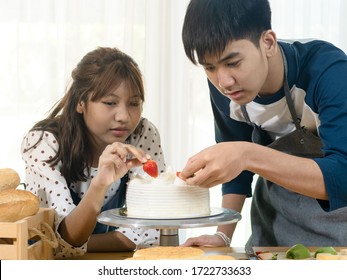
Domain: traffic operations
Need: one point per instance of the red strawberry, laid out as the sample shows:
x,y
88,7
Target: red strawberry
x,y
151,168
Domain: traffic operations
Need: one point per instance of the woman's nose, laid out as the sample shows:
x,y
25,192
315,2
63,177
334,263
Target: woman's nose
x,y
122,113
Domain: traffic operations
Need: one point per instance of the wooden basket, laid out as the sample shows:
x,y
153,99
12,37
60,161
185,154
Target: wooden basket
x,y
28,239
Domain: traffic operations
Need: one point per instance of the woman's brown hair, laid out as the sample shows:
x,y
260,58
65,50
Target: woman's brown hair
x,y
96,75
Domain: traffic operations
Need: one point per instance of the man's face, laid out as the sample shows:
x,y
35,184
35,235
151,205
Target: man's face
x,y
240,72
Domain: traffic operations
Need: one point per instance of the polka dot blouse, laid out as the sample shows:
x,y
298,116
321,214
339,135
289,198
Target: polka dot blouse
x,y
50,186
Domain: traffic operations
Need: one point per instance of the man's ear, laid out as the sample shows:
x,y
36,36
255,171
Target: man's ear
x,y
80,107
269,41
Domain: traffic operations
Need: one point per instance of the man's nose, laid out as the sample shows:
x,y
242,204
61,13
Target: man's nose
x,y
225,80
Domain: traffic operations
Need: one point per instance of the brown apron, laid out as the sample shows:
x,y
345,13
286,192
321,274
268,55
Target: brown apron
x,y
300,142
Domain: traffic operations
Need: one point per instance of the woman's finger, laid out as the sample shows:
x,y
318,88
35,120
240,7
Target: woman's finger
x,y
126,150
131,163
137,153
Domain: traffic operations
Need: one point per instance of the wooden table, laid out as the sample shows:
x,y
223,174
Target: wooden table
x,y
237,252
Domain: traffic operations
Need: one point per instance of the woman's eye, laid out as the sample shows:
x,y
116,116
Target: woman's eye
x,y
135,104
109,103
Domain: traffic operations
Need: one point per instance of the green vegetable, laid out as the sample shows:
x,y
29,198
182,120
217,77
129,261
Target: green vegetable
x,y
329,250
297,252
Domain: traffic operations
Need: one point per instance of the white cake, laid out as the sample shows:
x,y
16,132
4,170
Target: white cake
x,y
166,197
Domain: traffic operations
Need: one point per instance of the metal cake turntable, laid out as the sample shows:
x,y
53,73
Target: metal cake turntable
x,y
169,227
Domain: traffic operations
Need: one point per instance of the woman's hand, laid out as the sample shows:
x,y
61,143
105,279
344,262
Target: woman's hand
x,y
114,163
116,160
204,240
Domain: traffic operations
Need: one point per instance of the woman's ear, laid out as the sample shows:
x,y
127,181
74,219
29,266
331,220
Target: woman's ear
x,y
80,107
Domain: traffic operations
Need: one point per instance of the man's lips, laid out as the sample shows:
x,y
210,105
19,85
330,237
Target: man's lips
x,y
235,94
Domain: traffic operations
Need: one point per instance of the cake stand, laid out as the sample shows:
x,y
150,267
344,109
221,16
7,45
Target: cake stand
x,y
169,227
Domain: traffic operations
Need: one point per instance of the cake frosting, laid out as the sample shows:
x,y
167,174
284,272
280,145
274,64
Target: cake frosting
x,y
165,197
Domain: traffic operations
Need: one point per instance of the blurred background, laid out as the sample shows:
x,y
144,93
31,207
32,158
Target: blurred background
x,y
43,40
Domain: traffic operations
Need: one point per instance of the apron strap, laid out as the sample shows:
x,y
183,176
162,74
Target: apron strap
x,y
287,94
245,114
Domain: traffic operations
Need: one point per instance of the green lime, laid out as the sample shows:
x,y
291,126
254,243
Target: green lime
x,y
298,252
329,250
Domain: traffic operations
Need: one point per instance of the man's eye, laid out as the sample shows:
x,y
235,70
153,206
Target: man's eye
x,y
234,63
209,68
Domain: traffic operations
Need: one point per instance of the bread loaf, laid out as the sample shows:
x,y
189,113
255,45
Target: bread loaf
x,y
9,179
168,252
17,204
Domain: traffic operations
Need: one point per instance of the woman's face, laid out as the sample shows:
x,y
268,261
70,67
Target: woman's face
x,y
114,117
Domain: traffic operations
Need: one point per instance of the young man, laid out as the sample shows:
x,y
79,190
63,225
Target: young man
x,y
293,95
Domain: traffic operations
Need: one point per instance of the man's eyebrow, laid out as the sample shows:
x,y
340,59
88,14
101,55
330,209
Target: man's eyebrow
x,y
222,59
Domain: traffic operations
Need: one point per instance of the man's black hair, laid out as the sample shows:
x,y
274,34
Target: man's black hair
x,y
209,25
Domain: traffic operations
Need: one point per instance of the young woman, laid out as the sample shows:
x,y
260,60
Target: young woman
x,y
78,160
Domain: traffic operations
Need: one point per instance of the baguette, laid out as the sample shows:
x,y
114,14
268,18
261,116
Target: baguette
x,y
17,204
9,179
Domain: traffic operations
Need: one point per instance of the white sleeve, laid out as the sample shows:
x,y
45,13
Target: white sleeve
x,y
48,183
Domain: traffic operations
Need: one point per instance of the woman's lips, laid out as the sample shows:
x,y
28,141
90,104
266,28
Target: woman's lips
x,y
119,132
